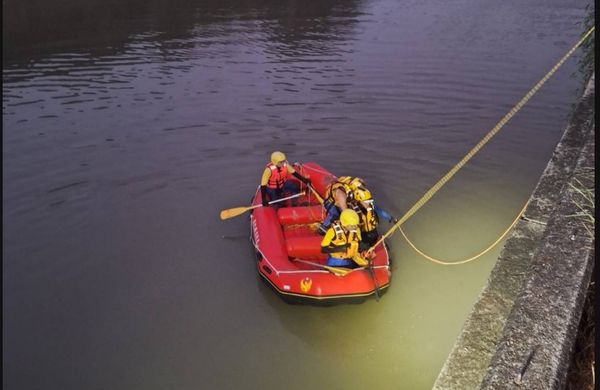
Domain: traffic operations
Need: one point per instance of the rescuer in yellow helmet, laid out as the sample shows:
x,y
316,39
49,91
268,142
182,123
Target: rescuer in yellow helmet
x,y
343,243
351,192
275,179
336,198
369,214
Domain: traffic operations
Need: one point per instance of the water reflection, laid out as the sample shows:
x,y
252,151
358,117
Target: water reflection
x,y
101,28
164,41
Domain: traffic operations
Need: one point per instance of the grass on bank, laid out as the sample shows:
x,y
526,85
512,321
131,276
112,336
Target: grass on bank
x,y
583,199
581,373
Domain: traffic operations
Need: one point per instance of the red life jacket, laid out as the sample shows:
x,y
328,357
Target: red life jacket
x,y
278,176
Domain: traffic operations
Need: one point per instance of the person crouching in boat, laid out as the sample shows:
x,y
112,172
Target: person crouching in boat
x,y
274,182
342,194
369,214
343,244
336,200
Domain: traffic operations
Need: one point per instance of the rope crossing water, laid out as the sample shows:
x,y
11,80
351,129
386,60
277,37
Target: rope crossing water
x,y
486,250
436,187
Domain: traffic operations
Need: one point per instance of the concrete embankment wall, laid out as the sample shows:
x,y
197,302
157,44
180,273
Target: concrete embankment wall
x,y
520,332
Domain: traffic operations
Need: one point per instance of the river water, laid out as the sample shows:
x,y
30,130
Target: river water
x,y
128,126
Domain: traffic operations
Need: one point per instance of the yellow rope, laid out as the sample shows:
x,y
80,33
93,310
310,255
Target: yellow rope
x,y
442,262
481,143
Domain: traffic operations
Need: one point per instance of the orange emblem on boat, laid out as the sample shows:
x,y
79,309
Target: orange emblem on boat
x,y
306,284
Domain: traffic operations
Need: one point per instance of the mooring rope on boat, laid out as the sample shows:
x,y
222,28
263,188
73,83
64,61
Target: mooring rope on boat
x,y
486,250
469,155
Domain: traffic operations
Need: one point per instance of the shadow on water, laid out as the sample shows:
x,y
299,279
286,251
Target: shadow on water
x,y
322,327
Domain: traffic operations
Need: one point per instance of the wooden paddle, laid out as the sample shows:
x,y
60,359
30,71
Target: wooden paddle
x,y
316,193
319,198
338,271
235,211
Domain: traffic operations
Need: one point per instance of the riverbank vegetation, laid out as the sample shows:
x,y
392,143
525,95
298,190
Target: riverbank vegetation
x,y
582,370
583,198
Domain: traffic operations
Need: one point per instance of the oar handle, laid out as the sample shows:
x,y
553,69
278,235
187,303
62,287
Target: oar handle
x,y
372,272
234,212
277,200
282,199
338,271
319,198
316,193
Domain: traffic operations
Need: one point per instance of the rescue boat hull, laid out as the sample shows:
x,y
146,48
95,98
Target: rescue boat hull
x,y
287,248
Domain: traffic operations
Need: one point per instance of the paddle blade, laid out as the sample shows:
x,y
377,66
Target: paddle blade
x,y
234,212
338,271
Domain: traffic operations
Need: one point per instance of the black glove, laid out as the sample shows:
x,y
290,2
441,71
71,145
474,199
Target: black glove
x,y
263,195
393,219
321,230
363,246
302,178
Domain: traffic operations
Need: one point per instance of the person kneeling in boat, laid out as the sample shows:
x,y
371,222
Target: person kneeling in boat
x,y
343,243
369,214
336,200
274,182
351,192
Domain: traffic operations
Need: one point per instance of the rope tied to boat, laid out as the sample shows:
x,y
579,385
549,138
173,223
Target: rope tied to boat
x,y
436,187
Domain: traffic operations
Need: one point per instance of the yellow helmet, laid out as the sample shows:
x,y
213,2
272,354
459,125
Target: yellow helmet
x,y
349,217
362,194
357,182
359,190
277,157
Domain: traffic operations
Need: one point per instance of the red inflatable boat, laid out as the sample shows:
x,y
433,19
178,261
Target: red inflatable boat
x,y
288,250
